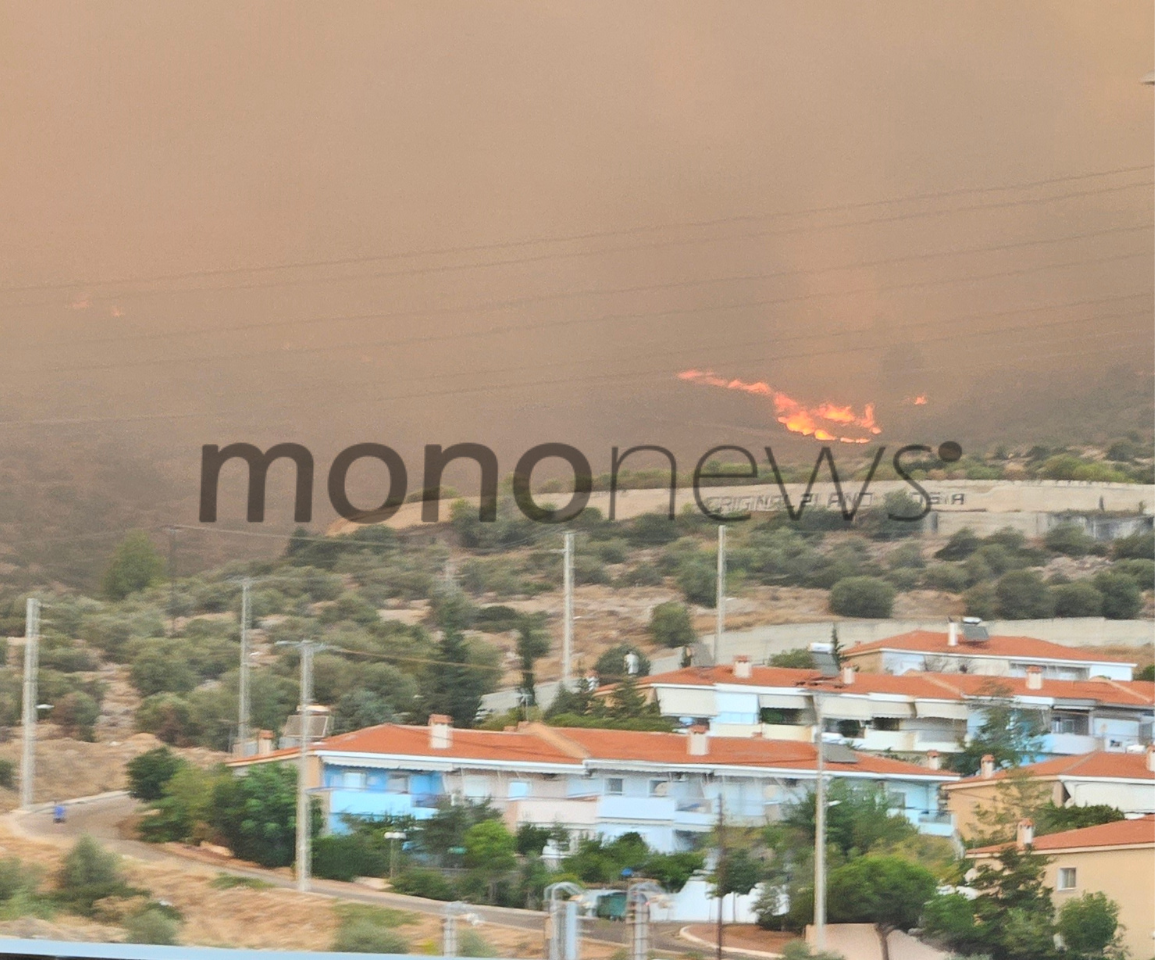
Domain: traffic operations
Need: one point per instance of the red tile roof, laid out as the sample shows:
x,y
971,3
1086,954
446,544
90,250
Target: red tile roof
x,y
1100,764
1121,833
925,686
537,743
1031,648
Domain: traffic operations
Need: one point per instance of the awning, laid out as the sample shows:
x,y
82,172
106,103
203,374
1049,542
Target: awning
x,y
891,709
783,701
846,708
679,702
940,710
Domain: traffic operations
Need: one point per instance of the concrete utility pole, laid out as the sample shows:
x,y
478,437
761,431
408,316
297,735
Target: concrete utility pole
x,y
31,668
720,870
720,601
243,691
303,864
819,834
567,617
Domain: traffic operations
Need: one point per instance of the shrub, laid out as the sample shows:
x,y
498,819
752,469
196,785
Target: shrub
x,y
346,857
1139,570
1023,595
1069,539
149,772
981,601
472,944
152,925
1136,546
1122,597
1077,600
89,873
960,546
135,565
946,576
862,597
76,713
424,882
168,717
361,935
611,665
696,578
1089,925
670,625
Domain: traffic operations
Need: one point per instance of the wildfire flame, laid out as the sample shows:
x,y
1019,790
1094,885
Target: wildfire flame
x,y
818,422
918,401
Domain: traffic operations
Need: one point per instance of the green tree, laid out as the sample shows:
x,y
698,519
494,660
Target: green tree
x,y
611,665
490,849
135,564
456,683
797,659
1022,595
696,578
1089,926
961,545
671,626
869,597
257,814
1078,599
887,891
76,713
532,643
89,873
1122,598
161,671
1009,735
149,772
738,872
1070,539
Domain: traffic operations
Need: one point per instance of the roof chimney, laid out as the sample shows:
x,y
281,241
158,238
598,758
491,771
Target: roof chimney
x,y
933,760
848,672
742,669
1025,836
440,731
698,741
988,766
264,742
951,634
1034,678
1151,757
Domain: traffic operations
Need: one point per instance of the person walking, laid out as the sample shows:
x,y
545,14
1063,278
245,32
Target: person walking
x,y
58,813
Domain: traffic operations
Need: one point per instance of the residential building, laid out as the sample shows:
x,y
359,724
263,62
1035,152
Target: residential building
x,y
909,715
665,786
964,649
1125,781
1117,859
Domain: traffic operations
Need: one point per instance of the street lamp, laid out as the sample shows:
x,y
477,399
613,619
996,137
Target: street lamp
x,y
393,836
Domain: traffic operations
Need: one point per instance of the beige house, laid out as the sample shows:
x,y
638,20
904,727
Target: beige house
x,y
1117,859
1125,781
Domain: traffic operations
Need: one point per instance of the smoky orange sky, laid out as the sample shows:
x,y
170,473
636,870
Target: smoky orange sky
x,y
512,222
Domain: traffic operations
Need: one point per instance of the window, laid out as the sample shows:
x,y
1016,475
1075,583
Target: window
x,y
1069,723
518,789
614,786
398,783
1066,878
353,779
884,723
659,788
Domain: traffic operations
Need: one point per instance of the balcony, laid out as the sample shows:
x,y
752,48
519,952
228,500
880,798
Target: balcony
x,y
574,813
1070,744
637,809
936,823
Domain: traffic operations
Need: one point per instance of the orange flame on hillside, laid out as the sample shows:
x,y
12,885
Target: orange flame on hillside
x,y
817,422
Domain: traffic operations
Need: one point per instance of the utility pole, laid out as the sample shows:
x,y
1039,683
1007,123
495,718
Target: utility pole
x,y
243,686
567,616
720,601
303,865
31,668
171,531
720,869
819,835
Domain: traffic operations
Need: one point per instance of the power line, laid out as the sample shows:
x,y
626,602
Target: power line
x,y
566,238
632,375
605,318
529,300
